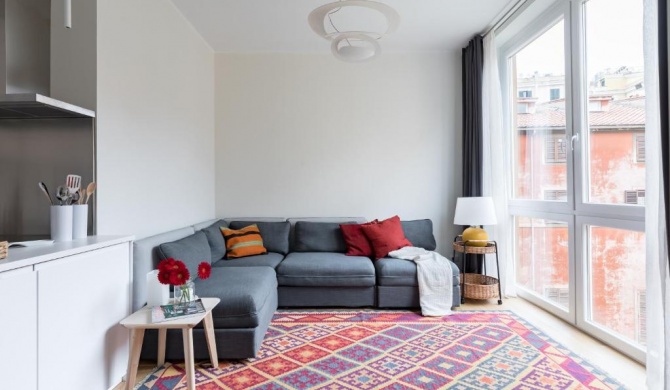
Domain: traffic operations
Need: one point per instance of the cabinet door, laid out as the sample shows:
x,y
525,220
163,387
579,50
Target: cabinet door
x,y
18,329
81,300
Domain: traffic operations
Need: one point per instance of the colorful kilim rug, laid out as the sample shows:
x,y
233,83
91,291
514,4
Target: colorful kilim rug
x,y
396,350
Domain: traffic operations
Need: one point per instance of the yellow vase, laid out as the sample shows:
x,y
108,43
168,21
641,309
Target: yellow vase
x,y
478,235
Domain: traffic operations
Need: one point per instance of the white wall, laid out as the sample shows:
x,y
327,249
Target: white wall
x,y
301,135
155,126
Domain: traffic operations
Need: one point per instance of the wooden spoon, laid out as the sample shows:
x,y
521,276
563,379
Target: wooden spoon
x,y
90,189
82,195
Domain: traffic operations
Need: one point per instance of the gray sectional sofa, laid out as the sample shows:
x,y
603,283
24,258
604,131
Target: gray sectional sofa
x,y
305,266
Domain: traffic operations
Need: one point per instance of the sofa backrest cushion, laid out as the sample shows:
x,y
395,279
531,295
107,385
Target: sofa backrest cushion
x,y
319,237
337,220
420,233
146,258
275,234
217,244
192,250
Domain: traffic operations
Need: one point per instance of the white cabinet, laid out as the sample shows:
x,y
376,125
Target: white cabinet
x,y
18,329
61,307
81,299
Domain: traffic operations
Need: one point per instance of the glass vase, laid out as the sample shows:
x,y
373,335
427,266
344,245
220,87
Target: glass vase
x,y
185,292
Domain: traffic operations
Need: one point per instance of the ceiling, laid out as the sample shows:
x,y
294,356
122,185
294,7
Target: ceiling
x,y
249,26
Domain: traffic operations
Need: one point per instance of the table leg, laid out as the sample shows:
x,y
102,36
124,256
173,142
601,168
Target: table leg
x,y
188,357
499,277
211,341
162,335
136,338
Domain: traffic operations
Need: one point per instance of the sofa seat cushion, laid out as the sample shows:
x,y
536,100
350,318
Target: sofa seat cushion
x,y
243,291
270,259
399,272
325,269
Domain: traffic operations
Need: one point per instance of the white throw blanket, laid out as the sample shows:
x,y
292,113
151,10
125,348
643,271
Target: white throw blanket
x,y
435,279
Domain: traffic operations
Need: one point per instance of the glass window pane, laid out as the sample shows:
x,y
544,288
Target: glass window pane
x,y
542,261
540,142
617,281
616,101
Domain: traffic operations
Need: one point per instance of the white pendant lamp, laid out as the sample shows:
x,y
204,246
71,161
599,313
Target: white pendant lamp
x,y
353,46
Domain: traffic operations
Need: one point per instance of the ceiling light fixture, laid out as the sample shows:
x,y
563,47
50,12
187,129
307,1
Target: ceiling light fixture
x,y
353,46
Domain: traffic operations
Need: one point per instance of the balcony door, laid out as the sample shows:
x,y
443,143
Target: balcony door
x,y
574,87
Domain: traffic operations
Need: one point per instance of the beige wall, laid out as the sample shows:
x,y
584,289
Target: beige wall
x,y
304,135
155,126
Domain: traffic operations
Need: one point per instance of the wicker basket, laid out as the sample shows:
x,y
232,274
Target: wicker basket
x,y
3,249
459,246
480,286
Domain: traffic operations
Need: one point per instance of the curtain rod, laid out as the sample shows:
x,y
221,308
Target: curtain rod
x,y
508,16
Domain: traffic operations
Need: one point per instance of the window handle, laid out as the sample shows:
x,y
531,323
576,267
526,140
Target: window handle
x,y
573,139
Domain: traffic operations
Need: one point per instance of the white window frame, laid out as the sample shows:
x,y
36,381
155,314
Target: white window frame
x,y
577,212
584,303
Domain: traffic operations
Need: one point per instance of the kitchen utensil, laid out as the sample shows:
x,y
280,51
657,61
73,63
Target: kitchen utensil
x,y
44,189
82,195
73,182
62,194
74,199
90,189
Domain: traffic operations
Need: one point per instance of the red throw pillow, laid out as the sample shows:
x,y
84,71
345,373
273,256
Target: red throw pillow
x,y
357,242
386,236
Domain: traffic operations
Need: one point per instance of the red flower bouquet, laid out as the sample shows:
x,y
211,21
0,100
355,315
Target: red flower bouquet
x,y
174,272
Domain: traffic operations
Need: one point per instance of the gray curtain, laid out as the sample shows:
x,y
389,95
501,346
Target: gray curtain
x,y
473,67
665,103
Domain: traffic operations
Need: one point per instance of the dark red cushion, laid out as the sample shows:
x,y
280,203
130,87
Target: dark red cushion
x,y
357,242
386,236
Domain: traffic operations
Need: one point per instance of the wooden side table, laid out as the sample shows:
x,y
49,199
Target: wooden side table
x,y
485,292
139,321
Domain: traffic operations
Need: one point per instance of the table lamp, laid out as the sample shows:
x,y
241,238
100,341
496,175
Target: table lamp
x,y
475,212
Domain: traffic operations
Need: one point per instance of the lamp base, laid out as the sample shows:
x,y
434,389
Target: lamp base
x,y
476,236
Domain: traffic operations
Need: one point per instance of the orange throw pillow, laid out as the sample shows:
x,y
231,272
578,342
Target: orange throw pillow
x,y
243,242
386,236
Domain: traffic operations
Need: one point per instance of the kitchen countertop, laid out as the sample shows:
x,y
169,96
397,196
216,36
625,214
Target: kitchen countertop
x,y
22,257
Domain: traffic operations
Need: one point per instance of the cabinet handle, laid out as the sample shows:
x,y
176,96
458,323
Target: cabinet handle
x,y
573,139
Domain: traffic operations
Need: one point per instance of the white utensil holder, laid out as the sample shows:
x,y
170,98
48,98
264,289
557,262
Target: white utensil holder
x,y
79,221
61,223
157,293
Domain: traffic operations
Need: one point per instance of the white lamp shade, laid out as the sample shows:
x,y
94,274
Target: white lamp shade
x,y
475,211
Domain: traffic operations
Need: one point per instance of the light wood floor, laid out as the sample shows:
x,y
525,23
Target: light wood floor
x,y
627,371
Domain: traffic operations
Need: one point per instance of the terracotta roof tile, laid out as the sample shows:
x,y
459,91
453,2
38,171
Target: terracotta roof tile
x,y
624,113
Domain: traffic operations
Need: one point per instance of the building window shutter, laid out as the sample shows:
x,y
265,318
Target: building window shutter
x,y
560,195
639,148
560,295
555,150
641,306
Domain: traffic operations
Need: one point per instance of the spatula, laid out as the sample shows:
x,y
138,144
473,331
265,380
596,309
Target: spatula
x,y
73,182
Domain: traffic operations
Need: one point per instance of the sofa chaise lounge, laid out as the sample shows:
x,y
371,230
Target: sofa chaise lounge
x,y
305,266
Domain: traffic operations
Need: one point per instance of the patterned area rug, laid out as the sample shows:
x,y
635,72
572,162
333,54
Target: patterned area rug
x,y
396,350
